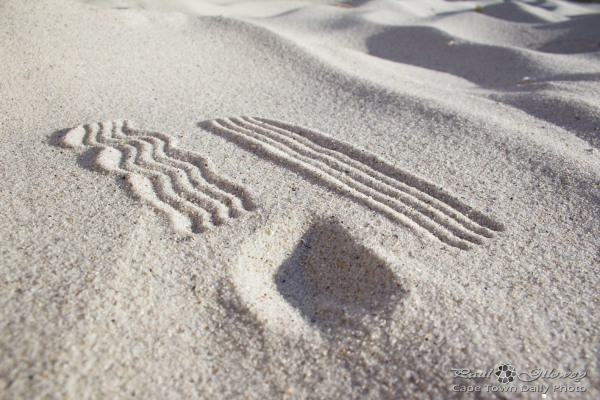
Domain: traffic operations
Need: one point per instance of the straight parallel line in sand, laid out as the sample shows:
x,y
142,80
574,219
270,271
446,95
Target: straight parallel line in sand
x,y
338,181
364,177
412,197
392,174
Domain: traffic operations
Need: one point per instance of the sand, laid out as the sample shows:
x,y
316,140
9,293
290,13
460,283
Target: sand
x,y
285,199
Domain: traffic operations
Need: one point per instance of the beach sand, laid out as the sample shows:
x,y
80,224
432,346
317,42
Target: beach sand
x,y
286,199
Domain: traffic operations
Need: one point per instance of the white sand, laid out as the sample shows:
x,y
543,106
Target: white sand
x,y
418,191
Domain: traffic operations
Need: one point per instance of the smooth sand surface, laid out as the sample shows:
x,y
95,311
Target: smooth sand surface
x,y
287,199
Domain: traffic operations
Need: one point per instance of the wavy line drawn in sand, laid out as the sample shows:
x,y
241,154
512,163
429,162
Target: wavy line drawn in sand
x,y
181,184
362,176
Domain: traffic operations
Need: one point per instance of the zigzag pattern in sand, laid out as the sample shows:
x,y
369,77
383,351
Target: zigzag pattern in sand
x,y
179,183
362,176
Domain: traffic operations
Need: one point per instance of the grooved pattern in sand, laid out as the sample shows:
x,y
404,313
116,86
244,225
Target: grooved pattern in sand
x,y
179,183
364,177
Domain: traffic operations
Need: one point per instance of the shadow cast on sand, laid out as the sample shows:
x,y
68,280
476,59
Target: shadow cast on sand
x,y
434,49
485,66
302,279
56,137
335,283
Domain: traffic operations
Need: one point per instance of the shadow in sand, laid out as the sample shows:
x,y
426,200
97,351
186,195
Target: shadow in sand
x,y
486,66
431,48
336,283
580,34
56,137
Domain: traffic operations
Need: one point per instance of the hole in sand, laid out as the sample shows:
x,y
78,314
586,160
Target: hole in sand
x,y
335,282
299,278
